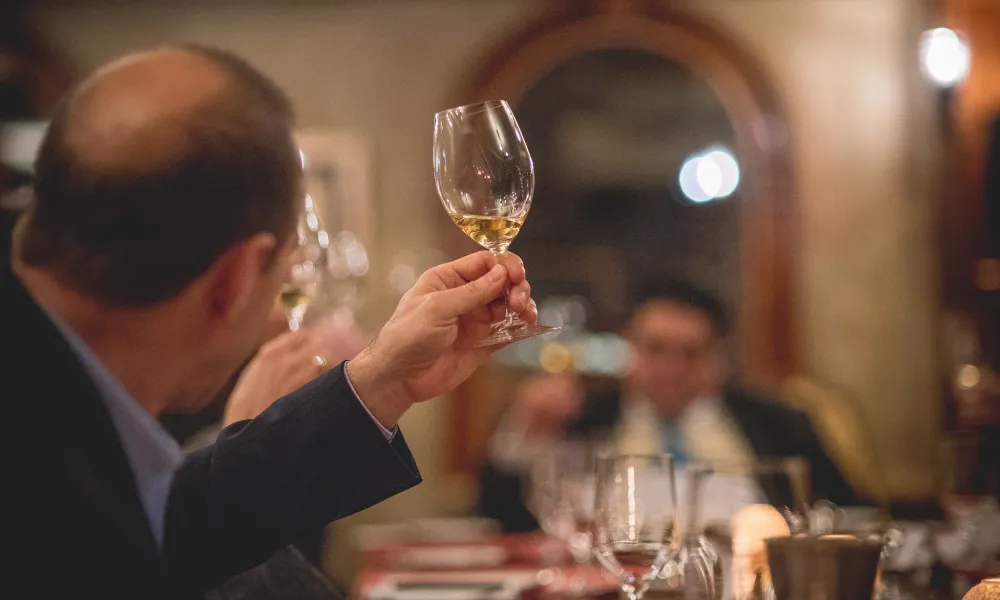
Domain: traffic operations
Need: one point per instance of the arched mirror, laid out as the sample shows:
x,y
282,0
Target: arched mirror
x,y
634,163
659,151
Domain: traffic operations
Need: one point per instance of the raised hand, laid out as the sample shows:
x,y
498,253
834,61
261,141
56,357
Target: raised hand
x,y
426,348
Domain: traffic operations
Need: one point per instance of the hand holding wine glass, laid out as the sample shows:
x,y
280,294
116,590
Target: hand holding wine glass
x,y
427,347
486,179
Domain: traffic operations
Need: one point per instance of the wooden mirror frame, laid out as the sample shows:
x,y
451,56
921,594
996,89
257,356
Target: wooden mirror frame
x,y
768,217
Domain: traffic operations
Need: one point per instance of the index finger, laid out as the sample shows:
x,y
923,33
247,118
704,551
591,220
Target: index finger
x,y
515,267
461,271
289,341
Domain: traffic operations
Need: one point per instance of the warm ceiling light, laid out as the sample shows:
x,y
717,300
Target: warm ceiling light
x,y
944,56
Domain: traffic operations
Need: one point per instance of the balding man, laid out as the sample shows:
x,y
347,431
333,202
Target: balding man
x,y
167,188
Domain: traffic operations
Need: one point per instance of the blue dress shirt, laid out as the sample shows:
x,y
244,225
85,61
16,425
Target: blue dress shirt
x,y
152,452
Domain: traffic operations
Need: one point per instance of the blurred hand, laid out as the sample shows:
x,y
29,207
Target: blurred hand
x,y
286,363
277,322
544,405
426,348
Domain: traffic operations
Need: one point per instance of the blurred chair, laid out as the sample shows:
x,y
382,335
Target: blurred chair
x,y
838,423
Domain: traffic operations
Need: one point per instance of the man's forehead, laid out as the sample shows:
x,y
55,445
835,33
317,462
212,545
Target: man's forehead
x,y
668,316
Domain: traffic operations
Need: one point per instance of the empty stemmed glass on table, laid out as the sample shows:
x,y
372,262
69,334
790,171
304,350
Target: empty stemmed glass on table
x,y
540,491
635,518
485,178
577,494
743,503
561,493
697,572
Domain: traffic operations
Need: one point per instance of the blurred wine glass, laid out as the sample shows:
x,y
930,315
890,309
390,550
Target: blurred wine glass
x,y
697,572
745,502
326,274
343,295
310,264
541,493
635,518
573,466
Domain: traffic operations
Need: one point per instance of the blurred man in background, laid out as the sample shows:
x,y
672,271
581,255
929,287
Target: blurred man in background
x,y
673,398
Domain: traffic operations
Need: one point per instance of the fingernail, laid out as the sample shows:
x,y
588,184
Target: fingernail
x,y
496,273
523,298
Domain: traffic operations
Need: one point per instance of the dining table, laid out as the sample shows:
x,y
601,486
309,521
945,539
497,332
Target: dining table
x,y
515,566
534,566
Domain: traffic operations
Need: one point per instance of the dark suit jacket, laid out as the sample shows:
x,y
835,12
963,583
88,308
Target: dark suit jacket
x,y
771,429
76,526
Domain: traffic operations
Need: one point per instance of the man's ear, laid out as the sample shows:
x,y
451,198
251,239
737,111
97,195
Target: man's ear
x,y
234,275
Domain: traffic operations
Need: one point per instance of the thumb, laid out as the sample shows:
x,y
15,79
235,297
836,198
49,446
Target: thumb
x,y
457,301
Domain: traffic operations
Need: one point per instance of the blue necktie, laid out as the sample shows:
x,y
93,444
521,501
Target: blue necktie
x,y
673,441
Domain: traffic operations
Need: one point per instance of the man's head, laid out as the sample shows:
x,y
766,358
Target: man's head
x,y
677,335
170,178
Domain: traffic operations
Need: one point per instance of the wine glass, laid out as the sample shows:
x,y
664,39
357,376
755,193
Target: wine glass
x,y
540,491
561,494
747,502
310,266
697,572
635,518
577,460
344,290
485,179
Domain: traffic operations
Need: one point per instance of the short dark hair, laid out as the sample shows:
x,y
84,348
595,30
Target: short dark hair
x,y
688,295
136,238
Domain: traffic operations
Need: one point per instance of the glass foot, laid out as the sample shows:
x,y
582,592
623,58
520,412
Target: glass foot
x,y
507,332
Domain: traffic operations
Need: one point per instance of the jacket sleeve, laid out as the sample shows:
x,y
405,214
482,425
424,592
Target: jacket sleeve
x,y
313,457
500,498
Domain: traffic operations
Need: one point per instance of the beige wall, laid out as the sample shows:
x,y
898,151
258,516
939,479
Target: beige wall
x,y
862,131
844,68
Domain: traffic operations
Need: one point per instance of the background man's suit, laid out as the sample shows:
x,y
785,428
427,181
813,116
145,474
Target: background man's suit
x,y
771,430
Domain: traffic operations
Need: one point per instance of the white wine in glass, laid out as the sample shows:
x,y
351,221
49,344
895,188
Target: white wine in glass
x,y
486,179
296,298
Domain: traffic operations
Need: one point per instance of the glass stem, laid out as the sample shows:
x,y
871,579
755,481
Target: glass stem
x,y
294,319
691,534
508,318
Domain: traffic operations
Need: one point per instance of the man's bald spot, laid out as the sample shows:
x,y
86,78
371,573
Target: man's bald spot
x,y
136,112
190,144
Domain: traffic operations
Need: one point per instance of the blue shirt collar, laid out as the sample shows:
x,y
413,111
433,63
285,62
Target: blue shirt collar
x,y
152,453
